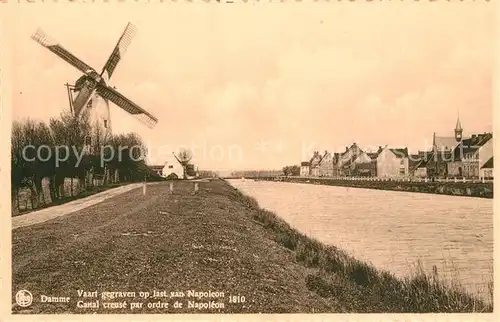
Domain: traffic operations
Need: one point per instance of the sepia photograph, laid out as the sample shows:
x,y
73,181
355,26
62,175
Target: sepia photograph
x,y
278,158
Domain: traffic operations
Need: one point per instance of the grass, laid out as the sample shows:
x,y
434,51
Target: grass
x,y
360,287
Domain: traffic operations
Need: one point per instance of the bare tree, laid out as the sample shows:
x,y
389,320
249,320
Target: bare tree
x,y
184,156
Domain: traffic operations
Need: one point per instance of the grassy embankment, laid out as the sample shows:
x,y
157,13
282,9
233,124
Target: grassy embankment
x,y
217,240
477,189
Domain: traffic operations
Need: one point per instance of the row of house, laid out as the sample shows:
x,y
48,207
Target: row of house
x,y
449,157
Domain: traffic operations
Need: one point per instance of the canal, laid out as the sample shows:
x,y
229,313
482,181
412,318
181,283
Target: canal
x,y
390,229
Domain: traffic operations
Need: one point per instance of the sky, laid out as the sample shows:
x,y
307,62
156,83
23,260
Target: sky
x,y
261,86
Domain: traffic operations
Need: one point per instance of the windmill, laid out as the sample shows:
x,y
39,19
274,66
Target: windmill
x,y
93,93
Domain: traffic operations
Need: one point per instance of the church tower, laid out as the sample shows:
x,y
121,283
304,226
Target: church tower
x,y
458,130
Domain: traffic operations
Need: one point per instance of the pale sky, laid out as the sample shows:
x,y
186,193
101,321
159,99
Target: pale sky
x,y
311,76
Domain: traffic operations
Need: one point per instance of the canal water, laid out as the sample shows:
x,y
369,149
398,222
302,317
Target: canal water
x,y
390,229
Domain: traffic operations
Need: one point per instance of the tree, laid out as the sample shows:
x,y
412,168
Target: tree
x,y
293,170
184,157
127,150
190,170
36,146
30,157
18,165
69,132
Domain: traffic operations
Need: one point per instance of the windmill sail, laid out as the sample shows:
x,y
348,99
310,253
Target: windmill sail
x,y
40,37
91,82
119,51
82,98
114,96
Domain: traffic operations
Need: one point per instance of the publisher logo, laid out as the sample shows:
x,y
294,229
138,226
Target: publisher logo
x,y
24,298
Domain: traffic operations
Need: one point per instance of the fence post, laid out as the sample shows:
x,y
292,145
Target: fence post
x,y
196,188
463,179
171,187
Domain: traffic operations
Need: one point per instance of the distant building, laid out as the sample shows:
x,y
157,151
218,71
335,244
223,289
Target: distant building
x,y
304,169
346,159
450,156
417,164
442,152
172,168
470,155
314,164
326,165
459,157
420,169
393,163
365,165
486,170
486,159
157,169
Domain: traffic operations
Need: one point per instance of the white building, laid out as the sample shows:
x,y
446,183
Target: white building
x,y
173,168
393,163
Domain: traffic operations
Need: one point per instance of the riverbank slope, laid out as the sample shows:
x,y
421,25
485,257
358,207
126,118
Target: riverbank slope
x,y
469,189
217,240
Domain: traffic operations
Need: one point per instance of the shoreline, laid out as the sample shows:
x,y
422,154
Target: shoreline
x,y
459,189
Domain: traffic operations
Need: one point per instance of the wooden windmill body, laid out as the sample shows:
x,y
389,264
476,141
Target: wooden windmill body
x,y
97,111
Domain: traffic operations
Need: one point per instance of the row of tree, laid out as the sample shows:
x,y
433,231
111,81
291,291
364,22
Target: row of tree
x,y
256,173
61,149
292,170
208,174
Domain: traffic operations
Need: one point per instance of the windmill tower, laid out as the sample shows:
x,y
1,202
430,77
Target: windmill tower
x,y
98,113
92,91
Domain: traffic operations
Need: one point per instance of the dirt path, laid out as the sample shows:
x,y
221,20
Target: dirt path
x,y
49,213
